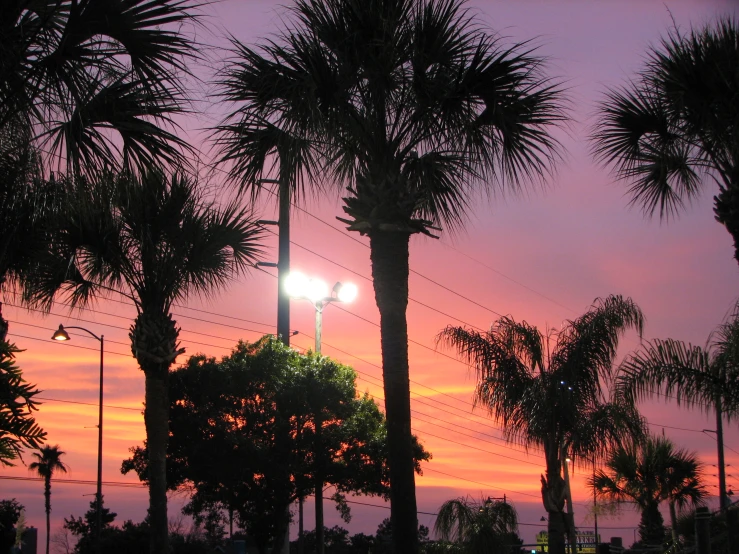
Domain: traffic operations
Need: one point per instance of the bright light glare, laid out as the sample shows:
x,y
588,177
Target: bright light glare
x,y
347,292
296,284
317,290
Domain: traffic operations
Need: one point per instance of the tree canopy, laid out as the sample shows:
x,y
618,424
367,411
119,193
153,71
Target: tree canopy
x,y
243,434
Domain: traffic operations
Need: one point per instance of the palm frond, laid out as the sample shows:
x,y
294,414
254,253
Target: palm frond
x,y
66,62
677,368
672,125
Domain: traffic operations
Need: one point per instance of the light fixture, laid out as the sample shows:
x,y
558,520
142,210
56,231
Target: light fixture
x,y
346,292
316,291
296,284
60,334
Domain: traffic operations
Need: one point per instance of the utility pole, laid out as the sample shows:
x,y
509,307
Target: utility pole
x,y
283,269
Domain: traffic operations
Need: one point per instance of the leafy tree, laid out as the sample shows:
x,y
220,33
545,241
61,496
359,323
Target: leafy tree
x,y
10,512
336,541
415,108
18,427
546,391
85,529
384,543
646,473
672,129
243,434
127,538
154,240
71,71
479,527
48,461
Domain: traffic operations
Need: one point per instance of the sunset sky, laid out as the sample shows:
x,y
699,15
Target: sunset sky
x,y
542,256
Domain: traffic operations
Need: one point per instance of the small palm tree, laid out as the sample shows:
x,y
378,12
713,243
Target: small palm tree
x,y
416,110
646,473
478,527
48,461
153,239
672,130
550,395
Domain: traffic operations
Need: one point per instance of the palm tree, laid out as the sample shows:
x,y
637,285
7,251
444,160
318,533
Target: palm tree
x,y
673,128
72,70
550,395
480,527
683,487
416,109
706,377
646,473
154,240
84,85
48,461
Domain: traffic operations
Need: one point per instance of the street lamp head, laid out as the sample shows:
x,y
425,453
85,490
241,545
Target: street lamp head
x,y
296,284
316,290
345,292
60,334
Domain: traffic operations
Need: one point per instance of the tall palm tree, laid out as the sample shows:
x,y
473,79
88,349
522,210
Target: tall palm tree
x,y
546,391
73,70
479,527
416,109
673,128
647,472
48,461
156,241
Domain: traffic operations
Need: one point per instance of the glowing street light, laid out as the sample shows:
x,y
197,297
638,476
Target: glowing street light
x,y
316,291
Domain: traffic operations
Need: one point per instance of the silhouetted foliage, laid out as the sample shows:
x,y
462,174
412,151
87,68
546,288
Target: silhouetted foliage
x,y
415,108
10,512
73,71
130,537
672,129
18,427
647,472
479,527
548,391
156,239
243,434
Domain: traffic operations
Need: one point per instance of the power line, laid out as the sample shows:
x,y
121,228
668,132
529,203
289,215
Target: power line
x,y
65,481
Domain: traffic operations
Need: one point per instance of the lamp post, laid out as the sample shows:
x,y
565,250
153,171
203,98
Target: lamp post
x,y
61,335
316,291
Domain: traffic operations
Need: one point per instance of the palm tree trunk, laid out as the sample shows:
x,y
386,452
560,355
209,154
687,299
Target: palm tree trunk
x,y
673,524
389,257
47,505
553,497
156,419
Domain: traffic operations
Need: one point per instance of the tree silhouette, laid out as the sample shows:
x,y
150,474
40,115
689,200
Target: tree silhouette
x,y
672,129
550,395
415,109
48,461
153,239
